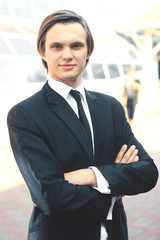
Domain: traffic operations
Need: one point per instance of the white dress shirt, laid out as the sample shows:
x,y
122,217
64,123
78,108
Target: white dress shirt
x,y
102,184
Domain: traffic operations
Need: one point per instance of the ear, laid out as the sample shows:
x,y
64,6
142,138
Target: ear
x,y
88,55
42,54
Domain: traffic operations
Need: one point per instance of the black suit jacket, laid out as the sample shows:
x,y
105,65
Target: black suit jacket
x,y
48,139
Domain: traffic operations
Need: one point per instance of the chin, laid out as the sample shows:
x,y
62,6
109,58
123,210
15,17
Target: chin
x,y
70,78
72,81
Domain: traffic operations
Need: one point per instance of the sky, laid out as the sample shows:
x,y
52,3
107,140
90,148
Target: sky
x,y
107,14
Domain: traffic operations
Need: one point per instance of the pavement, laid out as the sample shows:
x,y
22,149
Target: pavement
x,y
143,211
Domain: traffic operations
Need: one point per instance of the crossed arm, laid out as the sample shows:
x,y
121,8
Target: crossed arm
x,y
87,176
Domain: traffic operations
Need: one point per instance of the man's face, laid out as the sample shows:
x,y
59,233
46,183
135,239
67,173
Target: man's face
x,y
66,52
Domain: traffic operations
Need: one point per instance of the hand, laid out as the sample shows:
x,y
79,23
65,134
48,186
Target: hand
x,y
119,197
127,156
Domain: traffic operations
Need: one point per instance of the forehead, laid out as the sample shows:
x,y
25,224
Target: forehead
x,y
66,32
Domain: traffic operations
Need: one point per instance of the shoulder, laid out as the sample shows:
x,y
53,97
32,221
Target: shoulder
x,y
104,99
25,113
30,101
30,104
108,104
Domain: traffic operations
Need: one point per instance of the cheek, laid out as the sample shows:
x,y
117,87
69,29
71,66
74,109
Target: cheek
x,y
84,57
53,60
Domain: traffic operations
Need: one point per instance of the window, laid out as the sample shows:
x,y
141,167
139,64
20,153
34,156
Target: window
x,y
38,75
3,8
125,68
6,71
97,70
138,67
85,74
4,48
23,46
113,70
21,8
132,54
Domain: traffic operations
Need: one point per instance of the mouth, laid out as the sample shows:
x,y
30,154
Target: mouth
x,y
67,66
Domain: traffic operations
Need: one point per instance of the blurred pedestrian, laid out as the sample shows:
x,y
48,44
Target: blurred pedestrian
x,y
130,93
158,59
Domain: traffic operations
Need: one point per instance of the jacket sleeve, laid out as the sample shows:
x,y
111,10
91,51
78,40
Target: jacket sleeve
x,y
133,178
44,175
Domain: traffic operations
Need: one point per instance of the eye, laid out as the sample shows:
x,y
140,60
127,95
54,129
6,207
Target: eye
x,y
76,45
57,47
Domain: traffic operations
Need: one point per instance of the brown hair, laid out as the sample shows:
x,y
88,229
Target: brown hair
x,y
62,16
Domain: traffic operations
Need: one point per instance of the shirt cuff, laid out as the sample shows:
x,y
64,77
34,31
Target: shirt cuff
x,y
103,187
102,183
109,216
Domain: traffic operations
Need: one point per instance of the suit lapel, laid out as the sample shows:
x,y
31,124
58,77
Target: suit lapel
x,y
97,115
62,109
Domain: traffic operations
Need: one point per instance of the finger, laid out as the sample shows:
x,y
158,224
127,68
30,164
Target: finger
x,y
128,154
121,153
133,156
119,197
136,159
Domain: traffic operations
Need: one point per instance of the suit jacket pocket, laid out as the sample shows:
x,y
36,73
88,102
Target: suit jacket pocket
x,y
42,225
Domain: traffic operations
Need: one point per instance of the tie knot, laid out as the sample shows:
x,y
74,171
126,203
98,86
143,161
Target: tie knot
x,y
76,95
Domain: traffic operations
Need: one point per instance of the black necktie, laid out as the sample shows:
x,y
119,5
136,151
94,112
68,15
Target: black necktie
x,y
82,115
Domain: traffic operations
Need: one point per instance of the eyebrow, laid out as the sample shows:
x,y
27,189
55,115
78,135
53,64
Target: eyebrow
x,y
61,43
78,42
55,43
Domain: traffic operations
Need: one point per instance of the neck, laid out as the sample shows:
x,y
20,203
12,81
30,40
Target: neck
x,y
74,83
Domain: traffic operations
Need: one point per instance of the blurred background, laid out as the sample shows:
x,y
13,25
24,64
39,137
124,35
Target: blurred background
x,y
126,34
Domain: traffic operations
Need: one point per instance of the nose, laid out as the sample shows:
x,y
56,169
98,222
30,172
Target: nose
x,y
67,55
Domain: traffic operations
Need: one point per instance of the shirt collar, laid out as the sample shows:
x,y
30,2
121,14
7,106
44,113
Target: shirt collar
x,y
64,89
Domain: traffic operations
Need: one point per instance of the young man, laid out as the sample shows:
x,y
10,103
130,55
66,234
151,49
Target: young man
x,y
75,150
